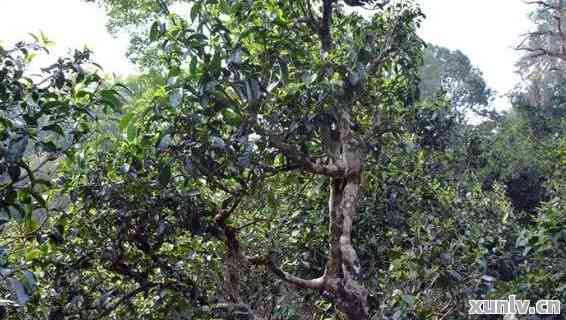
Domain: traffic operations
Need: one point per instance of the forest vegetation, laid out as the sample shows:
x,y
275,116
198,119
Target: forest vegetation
x,y
280,159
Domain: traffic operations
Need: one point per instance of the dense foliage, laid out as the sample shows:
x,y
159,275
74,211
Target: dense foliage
x,y
278,160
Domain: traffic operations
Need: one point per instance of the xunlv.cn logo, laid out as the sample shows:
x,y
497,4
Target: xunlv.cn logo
x,y
513,306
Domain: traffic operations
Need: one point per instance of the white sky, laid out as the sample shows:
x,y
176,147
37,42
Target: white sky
x,y
485,30
70,23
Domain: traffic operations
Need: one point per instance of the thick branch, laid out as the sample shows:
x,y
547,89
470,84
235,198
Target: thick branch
x,y
224,213
325,25
235,251
305,161
378,61
317,283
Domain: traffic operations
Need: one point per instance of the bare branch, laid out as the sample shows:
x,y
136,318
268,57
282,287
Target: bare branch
x,y
540,52
317,283
537,51
544,4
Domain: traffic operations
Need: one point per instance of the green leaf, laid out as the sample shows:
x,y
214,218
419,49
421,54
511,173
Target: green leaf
x,y
30,282
231,117
112,98
35,38
11,197
308,77
216,63
49,146
16,150
154,31
124,87
409,299
253,91
125,121
176,97
55,128
164,175
59,79
250,31
195,10
17,287
164,142
39,199
131,132
44,182
193,66
14,172
284,71
45,41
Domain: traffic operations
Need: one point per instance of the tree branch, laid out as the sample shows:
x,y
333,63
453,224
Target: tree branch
x,y
317,283
305,161
556,12
325,25
540,52
543,4
235,250
124,299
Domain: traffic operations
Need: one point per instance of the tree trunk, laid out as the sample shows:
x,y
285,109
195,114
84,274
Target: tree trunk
x,y
347,153
343,266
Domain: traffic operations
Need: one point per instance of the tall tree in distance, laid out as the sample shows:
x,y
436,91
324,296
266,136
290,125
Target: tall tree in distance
x,y
543,67
547,44
451,73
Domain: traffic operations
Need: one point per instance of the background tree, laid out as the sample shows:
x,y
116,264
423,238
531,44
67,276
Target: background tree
x,y
541,96
450,73
546,45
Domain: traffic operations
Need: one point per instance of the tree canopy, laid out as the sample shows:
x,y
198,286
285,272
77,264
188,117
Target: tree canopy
x,y
277,160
